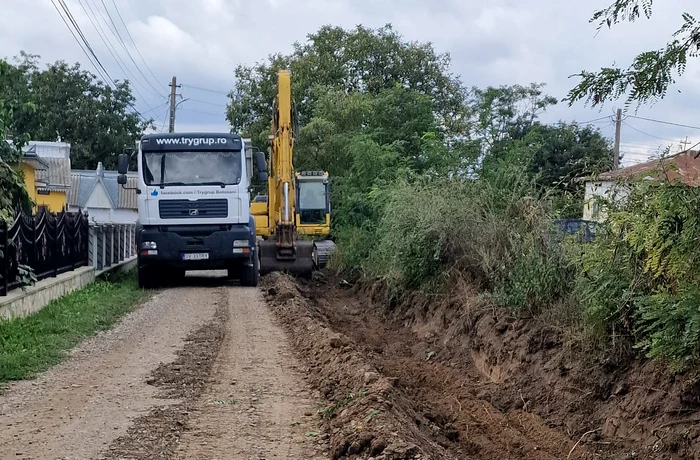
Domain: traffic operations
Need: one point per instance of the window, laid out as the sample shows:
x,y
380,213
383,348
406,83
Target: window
x,y
312,199
192,168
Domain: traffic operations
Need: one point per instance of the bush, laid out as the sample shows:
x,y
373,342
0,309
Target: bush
x,y
642,276
491,228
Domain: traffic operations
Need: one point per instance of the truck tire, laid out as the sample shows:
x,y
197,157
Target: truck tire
x,y
145,277
251,275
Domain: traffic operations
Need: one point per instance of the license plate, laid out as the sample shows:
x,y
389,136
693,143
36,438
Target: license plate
x,y
195,256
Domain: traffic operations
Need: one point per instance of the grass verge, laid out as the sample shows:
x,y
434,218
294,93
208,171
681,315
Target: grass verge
x,y
34,343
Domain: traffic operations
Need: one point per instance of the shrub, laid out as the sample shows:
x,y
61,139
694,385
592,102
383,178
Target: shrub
x,y
642,277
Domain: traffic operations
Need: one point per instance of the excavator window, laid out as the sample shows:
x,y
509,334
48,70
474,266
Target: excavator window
x,y
312,196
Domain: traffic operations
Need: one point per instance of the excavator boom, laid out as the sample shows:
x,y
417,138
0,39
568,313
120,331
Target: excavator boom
x,y
284,252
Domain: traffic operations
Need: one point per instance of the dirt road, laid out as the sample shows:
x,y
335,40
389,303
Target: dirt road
x,y
199,372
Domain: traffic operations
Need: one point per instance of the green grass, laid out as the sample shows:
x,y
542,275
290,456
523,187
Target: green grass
x,y
34,343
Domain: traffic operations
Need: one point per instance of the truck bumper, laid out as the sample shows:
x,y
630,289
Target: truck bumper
x,y
197,248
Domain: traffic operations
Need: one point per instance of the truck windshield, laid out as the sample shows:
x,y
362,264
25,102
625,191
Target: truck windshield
x,y
192,168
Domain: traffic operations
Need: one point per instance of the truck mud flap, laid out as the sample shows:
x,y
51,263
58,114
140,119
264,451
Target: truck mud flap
x,y
301,264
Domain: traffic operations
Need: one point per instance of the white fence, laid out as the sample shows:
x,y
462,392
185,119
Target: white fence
x,y
111,244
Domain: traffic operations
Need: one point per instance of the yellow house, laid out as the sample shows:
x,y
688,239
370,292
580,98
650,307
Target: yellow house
x,y
30,166
46,167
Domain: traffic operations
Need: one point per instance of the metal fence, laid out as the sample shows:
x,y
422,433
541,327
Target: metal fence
x,y
111,244
55,243
48,243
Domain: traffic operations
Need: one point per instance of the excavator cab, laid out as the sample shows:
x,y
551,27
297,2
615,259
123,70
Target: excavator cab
x,y
313,203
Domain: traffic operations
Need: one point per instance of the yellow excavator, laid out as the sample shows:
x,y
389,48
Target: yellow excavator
x,y
297,203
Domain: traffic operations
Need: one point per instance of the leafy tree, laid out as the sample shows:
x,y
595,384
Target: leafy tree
x,y
361,60
12,110
93,116
651,73
507,112
73,105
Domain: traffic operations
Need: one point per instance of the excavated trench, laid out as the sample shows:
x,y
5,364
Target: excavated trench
x,y
451,377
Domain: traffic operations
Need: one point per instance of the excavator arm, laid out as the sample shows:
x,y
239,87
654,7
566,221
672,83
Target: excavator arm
x,y
283,251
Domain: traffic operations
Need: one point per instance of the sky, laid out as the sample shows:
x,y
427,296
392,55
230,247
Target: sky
x,y
491,42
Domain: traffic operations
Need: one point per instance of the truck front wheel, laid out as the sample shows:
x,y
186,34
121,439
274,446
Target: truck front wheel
x,y
146,277
251,275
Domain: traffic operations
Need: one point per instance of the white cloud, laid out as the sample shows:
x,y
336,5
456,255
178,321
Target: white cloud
x,y
492,42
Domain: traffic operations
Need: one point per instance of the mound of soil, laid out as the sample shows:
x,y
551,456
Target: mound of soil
x,y
617,406
391,392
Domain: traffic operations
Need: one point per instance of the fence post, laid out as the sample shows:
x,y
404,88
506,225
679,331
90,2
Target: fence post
x,y
104,247
4,261
55,247
92,246
74,249
35,256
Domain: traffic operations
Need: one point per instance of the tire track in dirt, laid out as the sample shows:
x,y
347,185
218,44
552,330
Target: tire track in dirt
x,y
79,407
257,405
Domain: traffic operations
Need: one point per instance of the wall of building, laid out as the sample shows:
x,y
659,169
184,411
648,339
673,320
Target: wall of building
x,y
601,189
54,201
29,180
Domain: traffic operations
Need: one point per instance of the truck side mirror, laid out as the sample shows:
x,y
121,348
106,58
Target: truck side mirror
x,y
123,163
121,179
262,165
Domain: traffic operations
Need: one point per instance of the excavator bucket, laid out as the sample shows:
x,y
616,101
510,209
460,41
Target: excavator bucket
x,y
299,264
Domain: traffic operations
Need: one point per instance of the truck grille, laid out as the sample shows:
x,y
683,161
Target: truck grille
x,y
196,209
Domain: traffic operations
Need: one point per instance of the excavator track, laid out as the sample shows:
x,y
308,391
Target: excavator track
x,y
322,251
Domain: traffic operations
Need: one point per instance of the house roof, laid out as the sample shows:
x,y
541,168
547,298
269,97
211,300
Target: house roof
x,y
83,182
56,157
683,167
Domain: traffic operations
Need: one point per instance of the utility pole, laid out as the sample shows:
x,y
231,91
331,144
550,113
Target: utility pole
x,y
684,143
618,127
173,93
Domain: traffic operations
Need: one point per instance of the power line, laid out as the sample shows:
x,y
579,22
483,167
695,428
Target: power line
x,y
207,102
121,41
156,107
592,121
664,122
647,134
107,43
204,113
70,29
77,28
134,43
97,66
205,89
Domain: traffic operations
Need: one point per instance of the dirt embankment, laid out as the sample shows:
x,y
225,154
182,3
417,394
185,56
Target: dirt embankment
x,y
455,378
390,395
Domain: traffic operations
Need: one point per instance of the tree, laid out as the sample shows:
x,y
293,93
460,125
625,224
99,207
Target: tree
x,y
74,106
651,73
361,60
12,110
95,118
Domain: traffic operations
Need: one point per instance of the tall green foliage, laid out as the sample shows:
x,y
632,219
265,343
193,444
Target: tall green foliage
x,y
72,104
642,276
651,73
12,111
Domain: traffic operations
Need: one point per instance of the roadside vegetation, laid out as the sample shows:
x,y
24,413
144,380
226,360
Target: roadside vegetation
x,y
434,180
33,344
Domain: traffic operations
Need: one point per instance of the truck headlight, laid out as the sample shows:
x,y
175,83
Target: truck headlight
x,y
149,245
241,243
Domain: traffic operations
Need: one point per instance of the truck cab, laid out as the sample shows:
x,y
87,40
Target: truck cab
x,y
193,206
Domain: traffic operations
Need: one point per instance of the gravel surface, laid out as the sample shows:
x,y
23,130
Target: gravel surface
x,y
121,392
